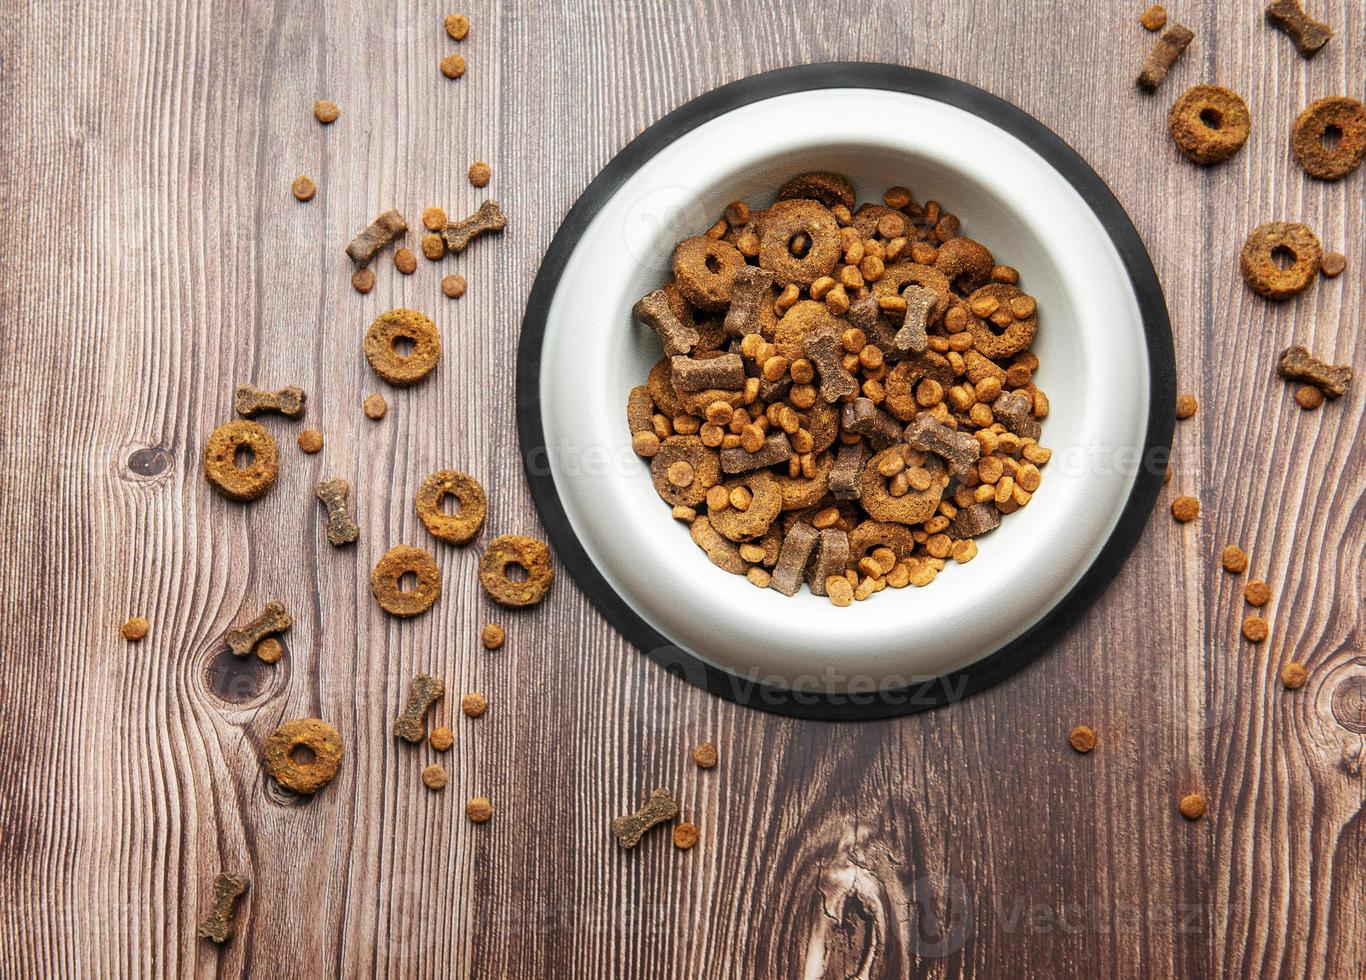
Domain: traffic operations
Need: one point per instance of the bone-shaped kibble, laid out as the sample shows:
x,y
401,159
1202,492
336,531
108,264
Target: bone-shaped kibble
x,y
335,495
1163,55
869,421
747,296
959,449
1015,410
774,391
422,694
658,808
379,233
973,520
913,337
1308,34
832,555
775,449
1298,364
253,401
825,351
724,373
844,475
867,315
792,558
459,234
242,640
674,335
227,889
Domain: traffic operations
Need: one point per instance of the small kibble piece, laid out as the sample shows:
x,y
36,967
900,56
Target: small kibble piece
x,y
135,628
273,619
1256,629
434,246
1257,593
405,261
1082,738
303,187
1293,676
434,776
454,285
227,889
442,738
958,449
389,572
480,173
326,111
705,755
379,233
335,495
474,705
313,734
657,809
434,219
748,292
1154,18
1186,406
270,650
912,338
977,519
492,636
674,335
479,809
869,421
241,483
452,66
792,558
424,691
1333,265
1192,806
1298,364
685,836
1015,410
724,373
1185,509
531,556
252,401
363,280
488,218
1308,397
1234,559
310,441
1308,34
1168,47
375,406
457,26
1263,250
824,349
775,449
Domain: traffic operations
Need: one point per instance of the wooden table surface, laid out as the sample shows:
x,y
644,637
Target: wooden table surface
x,y
154,258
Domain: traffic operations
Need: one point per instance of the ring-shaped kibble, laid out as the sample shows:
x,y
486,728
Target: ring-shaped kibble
x,y
992,340
910,508
783,222
705,465
386,579
220,460
313,734
1337,116
900,383
704,269
879,534
899,275
1264,251
399,326
529,554
462,526
966,263
1209,123
830,189
800,492
755,520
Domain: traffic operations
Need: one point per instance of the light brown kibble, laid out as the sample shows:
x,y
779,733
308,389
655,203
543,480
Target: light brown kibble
x,y
442,738
1185,509
310,440
303,188
1308,397
433,247
480,173
1257,593
705,755
474,705
434,776
1186,405
1082,738
434,219
1154,18
1234,559
457,26
1293,676
452,66
363,280
492,636
453,286
405,261
375,407
1333,265
1192,806
135,629
326,111
479,809
1256,629
685,836
269,650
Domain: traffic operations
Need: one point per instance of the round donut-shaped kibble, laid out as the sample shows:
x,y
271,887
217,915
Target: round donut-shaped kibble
x,y
514,549
763,510
800,492
966,263
910,508
462,526
1273,242
1209,123
899,275
830,189
389,571
996,341
879,534
220,460
313,734
900,384
784,221
1336,116
398,326
704,269
703,471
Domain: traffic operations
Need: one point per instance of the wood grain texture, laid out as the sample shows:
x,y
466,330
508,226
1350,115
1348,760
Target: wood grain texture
x,y
154,258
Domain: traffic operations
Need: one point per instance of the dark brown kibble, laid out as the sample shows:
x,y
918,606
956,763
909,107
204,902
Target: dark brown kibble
x,y
1165,51
492,636
424,691
685,836
1186,406
335,495
1293,676
387,227
310,440
1308,34
705,755
459,234
405,261
457,26
326,111
363,280
1192,806
453,286
227,889
1082,738
1298,364
1234,559
1257,593
657,809
1328,139
135,629
375,407
480,173
303,188
1154,18
1185,509
1209,123
273,619
452,66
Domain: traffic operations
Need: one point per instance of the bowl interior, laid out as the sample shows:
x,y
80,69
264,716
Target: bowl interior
x,y
1090,345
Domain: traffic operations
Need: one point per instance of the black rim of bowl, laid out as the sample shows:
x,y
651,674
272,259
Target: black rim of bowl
x,y
805,700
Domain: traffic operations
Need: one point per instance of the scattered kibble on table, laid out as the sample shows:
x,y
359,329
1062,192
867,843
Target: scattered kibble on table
x,y
457,26
326,111
1082,739
1186,406
375,407
492,636
1256,629
1257,593
452,66
434,776
441,738
303,187
1185,509
1192,806
135,629
479,809
1293,676
363,280
310,440
1234,559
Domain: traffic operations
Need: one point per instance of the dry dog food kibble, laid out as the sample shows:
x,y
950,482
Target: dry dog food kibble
x,y
1234,559
326,111
532,556
1309,398
1082,739
1185,509
1281,259
1209,123
1256,629
685,836
375,407
1308,34
335,495
270,650
424,691
441,739
389,226
459,234
310,441
1329,137
405,261
1154,18
363,280
1298,364
390,334
387,581
479,809
273,619
135,629
284,761
452,66
492,636
480,173
824,358
227,889
1192,806
462,526
1293,676
454,285
1257,593
474,705
253,401
303,188
1165,51
434,777
657,809
457,26
705,755
1186,406
254,444
1333,265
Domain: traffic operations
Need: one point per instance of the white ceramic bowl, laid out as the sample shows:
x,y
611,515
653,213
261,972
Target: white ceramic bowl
x,y
1096,365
